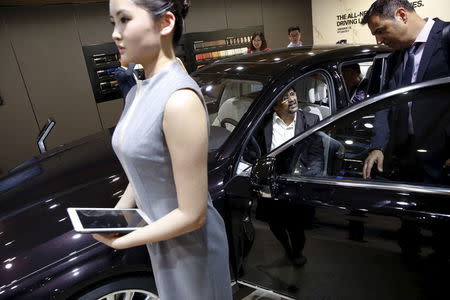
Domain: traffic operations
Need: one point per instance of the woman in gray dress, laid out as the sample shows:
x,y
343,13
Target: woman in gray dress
x,y
161,141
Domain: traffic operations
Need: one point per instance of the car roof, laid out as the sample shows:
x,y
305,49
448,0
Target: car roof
x,y
271,63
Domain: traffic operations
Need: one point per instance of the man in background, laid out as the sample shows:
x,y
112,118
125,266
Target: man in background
x,y
294,36
354,82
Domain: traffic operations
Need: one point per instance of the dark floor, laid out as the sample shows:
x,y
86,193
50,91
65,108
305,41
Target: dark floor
x,y
334,270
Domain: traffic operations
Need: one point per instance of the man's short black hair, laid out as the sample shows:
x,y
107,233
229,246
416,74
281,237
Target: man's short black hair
x,y
293,28
386,9
354,67
292,87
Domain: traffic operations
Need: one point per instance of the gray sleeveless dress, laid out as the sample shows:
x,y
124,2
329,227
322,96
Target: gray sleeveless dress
x,y
194,265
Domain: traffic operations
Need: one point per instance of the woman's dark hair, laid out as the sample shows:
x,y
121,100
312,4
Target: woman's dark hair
x,y
386,9
263,41
157,8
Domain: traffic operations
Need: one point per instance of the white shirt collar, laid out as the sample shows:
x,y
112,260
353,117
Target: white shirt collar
x,y
278,120
291,44
425,32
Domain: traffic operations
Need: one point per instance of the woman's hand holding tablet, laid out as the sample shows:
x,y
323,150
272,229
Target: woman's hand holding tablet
x,y
106,220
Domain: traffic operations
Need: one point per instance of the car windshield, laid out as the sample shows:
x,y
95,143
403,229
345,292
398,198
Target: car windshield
x,y
227,100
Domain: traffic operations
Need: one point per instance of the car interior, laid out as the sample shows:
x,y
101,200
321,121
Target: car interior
x,y
236,98
313,94
227,100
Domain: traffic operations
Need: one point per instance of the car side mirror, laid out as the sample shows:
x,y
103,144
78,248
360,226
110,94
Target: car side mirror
x,y
262,176
44,134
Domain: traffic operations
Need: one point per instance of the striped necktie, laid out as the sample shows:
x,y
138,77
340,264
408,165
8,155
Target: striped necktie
x,y
409,68
407,78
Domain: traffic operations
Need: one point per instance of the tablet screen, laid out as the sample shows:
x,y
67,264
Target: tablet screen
x,y
91,219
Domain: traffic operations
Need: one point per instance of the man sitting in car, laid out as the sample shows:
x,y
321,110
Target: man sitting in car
x,y
356,85
287,221
287,121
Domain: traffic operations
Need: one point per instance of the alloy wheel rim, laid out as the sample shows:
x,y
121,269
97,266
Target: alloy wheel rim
x,y
129,294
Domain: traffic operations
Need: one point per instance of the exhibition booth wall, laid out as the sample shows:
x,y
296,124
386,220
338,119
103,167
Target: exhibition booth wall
x,y
44,72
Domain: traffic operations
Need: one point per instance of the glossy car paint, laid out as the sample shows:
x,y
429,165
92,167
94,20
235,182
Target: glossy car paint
x,y
41,255
40,252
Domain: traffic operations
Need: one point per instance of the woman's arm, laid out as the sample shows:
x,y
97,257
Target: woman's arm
x,y
186,136
127,200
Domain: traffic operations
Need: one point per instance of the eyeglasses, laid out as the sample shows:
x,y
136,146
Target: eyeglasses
x,y
294,35
289,95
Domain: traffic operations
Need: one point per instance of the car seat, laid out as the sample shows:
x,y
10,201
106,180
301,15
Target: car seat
x,y
231,111
313,97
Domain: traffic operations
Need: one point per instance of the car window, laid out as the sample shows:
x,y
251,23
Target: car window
x,y
227,100
235,100
339,149
313,94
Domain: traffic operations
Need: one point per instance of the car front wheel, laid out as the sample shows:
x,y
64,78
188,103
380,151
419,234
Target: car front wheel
x,y
130,288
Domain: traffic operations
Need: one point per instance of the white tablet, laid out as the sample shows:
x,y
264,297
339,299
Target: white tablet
x,y
106,220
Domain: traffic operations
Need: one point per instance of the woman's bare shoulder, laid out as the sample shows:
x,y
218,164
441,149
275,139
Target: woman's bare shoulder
x,y
183,100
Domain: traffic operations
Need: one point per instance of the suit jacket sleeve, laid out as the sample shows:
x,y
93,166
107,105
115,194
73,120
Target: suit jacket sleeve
x,y
381,132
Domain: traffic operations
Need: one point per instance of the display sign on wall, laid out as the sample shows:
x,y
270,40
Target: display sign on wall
x,y
335,21
203,48
102,61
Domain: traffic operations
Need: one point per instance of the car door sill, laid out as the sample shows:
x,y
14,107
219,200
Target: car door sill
x,y
264,290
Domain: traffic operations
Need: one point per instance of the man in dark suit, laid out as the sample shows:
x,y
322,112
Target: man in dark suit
x,y
419,56
421,53
126,77
288,220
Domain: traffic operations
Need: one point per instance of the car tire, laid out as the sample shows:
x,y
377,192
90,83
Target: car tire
x,y
133,288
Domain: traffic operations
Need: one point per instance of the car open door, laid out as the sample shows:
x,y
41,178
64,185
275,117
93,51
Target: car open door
x,y
357,231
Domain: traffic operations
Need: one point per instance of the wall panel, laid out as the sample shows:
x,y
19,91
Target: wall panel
x,y
110,112
206,15
18,126
243,13
93,23
278,16
50,57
